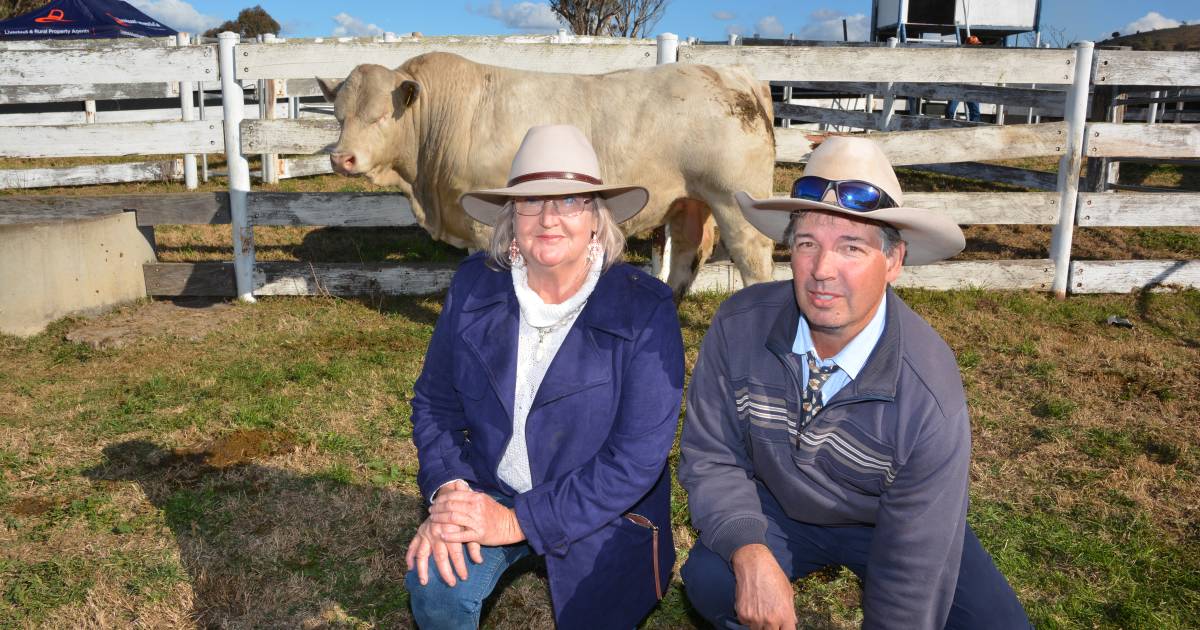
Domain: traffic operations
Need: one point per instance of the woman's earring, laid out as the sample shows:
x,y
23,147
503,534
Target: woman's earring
x,y
515,259
595,251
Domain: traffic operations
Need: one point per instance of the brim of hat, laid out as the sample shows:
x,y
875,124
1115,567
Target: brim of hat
x,y
623,201
928,236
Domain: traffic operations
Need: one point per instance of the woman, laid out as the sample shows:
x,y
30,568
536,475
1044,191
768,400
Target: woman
x,y
548,403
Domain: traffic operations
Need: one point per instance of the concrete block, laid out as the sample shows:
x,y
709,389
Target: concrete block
x,y
50,270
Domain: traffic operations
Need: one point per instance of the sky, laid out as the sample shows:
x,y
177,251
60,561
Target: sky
x,y
1062,20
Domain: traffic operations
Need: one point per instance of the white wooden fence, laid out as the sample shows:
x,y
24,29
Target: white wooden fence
x,y
1075,70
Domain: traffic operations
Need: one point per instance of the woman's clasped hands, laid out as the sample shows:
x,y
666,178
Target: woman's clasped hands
x,y
460,516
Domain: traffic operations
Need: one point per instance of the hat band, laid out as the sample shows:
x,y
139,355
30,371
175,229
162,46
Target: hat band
x,y
529,177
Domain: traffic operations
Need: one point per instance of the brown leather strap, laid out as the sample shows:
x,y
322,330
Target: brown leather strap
x,y
529,177
642,521
657,580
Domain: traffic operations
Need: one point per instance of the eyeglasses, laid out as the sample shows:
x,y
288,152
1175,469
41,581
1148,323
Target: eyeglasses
x,y
567,206
852,194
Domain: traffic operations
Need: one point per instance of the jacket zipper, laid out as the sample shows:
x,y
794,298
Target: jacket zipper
x,y
642,521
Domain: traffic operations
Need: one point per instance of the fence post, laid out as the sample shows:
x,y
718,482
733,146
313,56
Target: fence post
x,y
1068,168
1037,43
1102,171
233,104
202,101
188,113
1152,110
660,258
889,97
266,111
787,100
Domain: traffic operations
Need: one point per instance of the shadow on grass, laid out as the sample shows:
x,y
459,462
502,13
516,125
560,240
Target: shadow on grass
x,y
263,546
1150,314
376,244
1182,177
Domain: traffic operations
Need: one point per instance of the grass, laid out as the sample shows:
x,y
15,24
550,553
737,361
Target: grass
x,y
264,475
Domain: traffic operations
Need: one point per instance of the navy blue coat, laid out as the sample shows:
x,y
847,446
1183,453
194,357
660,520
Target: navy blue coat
x,y
598,433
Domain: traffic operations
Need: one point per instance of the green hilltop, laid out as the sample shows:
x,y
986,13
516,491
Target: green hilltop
x,y
1182,38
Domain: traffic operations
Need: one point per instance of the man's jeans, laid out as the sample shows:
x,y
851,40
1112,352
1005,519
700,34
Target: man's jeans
x,y
972,110
982,600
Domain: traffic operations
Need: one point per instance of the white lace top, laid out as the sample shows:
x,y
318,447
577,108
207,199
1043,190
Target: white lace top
x,y
543,328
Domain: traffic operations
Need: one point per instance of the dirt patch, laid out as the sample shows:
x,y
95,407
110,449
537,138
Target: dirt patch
x,y
190,319
239,447
31,506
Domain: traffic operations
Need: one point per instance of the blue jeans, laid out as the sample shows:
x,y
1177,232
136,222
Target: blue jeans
x,y
972,110
437,605
982,599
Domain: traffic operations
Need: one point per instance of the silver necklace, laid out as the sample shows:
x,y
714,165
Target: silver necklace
x,y
543,331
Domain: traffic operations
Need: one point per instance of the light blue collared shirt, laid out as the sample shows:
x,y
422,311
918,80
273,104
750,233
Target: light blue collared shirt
x,y
851,359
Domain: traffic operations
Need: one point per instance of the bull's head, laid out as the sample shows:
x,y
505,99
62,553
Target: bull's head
x,y
370,106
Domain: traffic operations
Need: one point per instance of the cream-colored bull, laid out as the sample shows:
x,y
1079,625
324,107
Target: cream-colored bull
x,y
441,125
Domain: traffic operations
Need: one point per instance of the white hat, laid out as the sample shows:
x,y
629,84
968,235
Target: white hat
x,y
928,236
554,160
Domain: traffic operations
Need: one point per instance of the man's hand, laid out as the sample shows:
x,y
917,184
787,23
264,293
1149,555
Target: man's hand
x,y
476,517
447,556
764,598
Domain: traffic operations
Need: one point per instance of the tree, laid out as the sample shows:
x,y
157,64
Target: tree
x,y
624,18
250,23
586,17
638,17
13,8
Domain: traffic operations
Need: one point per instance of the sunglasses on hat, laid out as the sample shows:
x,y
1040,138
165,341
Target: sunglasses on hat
x,y
852,194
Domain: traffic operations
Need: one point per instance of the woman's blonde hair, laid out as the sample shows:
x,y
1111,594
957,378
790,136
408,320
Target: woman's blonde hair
x,y
608,234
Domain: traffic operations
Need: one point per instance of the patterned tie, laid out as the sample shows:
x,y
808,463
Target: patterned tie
x,y
817,376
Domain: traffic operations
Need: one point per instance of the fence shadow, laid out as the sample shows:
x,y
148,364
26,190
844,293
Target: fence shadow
x,y
373,244
263,546
1148,313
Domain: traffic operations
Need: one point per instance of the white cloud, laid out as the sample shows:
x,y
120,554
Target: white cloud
x,y
821,15
769,27
826,24
177,14
1152,21
350,26
521,16
724,16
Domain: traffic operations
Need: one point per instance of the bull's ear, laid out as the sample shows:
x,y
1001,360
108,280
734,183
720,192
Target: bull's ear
x,y
329,87
408,92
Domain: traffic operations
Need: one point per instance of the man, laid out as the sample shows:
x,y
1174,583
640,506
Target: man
x,y
972,106
826,422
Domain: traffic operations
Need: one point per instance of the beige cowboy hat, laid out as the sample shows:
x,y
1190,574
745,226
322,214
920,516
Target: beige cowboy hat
x,y
554,160
928,236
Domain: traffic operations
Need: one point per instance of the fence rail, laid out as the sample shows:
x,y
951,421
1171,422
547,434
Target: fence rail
x,y
1063,78
305,61
108,64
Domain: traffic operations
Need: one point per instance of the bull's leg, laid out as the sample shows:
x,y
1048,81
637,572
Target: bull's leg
x,y
691,226
749,249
